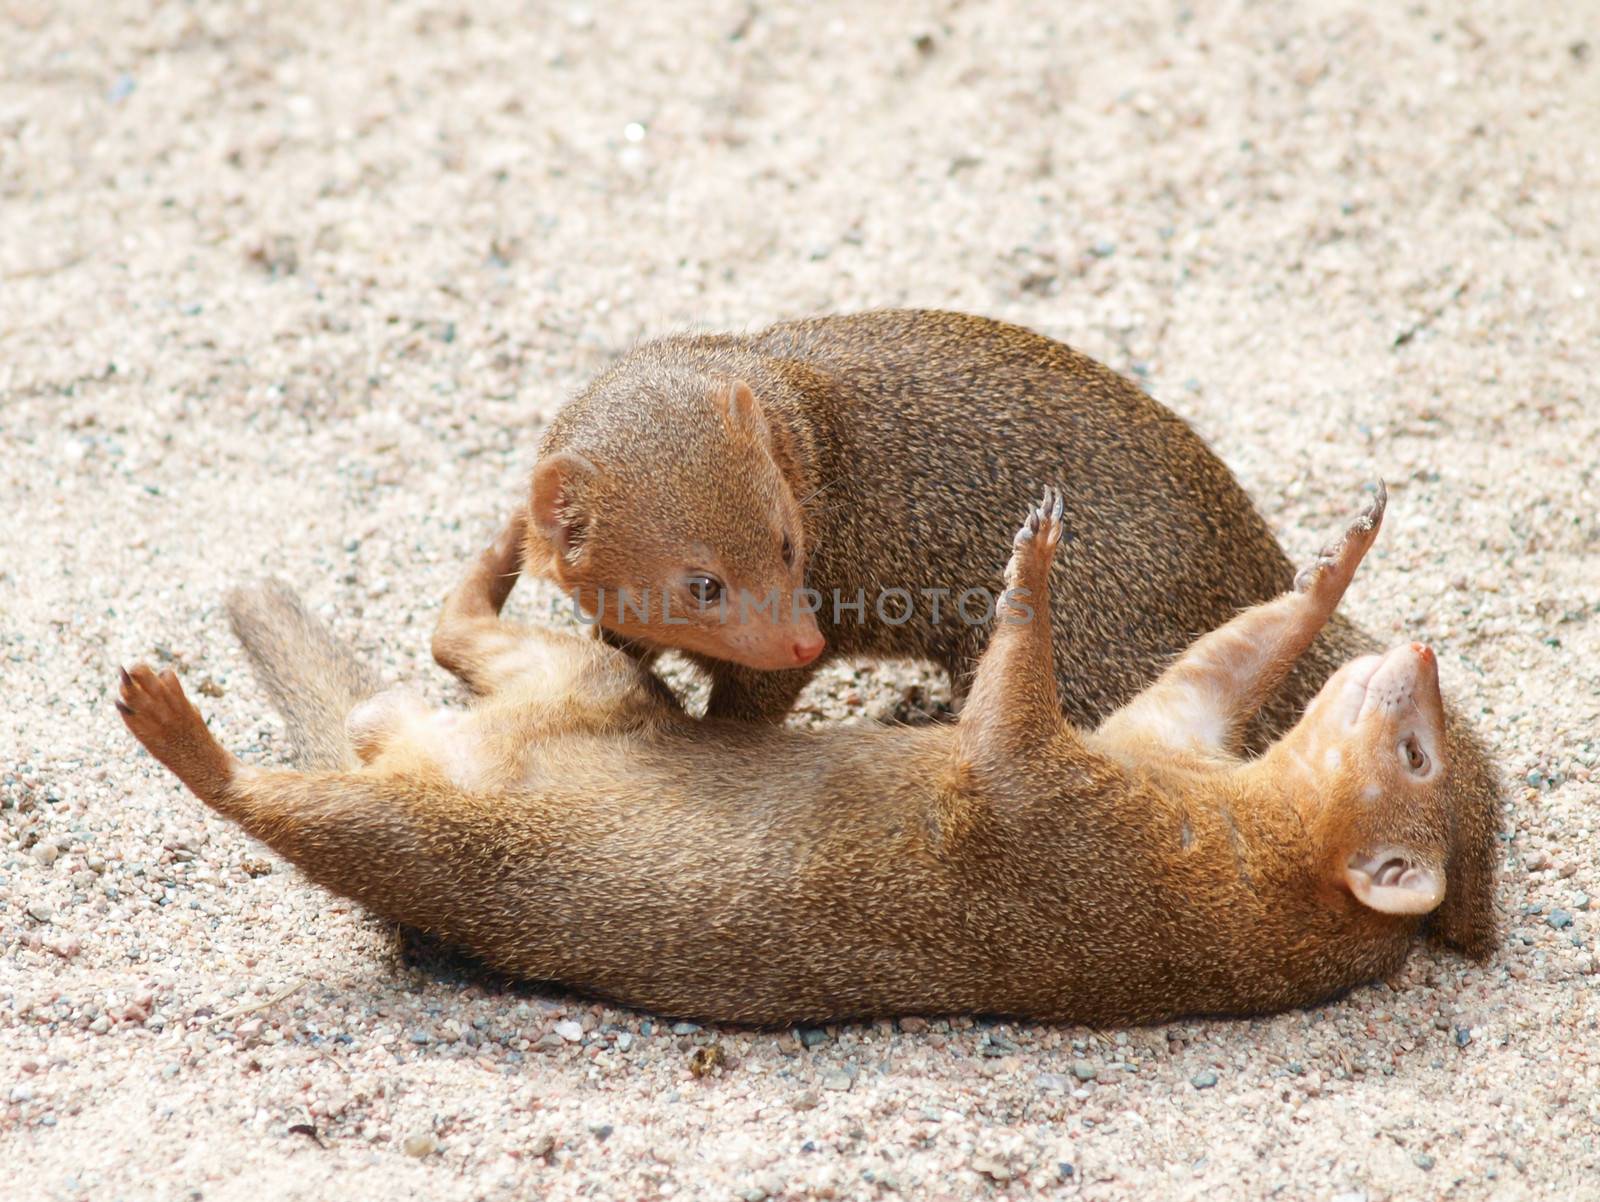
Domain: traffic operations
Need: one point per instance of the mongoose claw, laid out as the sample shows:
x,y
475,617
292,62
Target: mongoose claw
x,y
1043,522
1035,544
1336,563
153,705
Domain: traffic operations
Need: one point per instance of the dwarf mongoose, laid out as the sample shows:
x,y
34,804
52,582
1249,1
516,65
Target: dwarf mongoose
x,y
575,826
872,460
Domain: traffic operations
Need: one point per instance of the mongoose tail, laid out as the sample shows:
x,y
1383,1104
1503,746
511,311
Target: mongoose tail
x,y
314,680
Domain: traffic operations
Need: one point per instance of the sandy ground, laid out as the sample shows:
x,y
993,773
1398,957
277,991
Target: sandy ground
x,y
293,292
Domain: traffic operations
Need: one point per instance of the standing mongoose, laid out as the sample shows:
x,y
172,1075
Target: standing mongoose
x,y
871,460
576,826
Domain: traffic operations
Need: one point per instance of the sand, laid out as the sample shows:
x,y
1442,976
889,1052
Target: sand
x,y
292,287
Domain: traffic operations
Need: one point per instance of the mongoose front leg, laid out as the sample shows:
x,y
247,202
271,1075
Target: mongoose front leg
x,y
749,695
470,641
1201,703
1014,707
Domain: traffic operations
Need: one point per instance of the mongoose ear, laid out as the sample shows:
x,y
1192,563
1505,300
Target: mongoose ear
x,y
741,411
558,511
1394,880
739,407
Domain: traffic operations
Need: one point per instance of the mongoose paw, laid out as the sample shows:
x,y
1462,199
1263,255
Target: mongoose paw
x,y
155,708
1035,544
1336,563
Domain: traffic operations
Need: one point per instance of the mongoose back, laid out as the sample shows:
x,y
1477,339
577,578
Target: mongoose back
x,y
576,826
871,460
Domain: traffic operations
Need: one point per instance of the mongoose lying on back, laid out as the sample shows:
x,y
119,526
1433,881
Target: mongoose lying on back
x,y
872,459
576,826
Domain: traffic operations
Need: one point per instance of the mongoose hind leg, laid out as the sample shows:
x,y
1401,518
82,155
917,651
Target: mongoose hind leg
x,y
383,717
164,720
525,666
749,695
1013,708
469,641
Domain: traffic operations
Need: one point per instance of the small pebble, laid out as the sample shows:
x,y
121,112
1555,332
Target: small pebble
x,y
1559,919
1084,1071
569,1030
420,1144
1423,1161
839,1081
992,1167
811,1037
1204,1079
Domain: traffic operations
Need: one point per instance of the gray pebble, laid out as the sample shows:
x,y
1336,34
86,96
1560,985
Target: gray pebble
x,y
1204,1079
811,1037
1084,1071
40,912
685,1028
1559,919
1463,1036
839,1081
1423,1161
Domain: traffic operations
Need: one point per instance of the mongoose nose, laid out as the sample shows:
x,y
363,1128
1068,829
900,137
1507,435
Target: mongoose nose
x,y
808,647
1423,651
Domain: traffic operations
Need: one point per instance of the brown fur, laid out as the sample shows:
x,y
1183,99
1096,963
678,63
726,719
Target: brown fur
x,y
890,447
576,826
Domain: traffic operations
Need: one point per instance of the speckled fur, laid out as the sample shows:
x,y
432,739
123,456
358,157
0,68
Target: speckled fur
x,y
1008,863
909,436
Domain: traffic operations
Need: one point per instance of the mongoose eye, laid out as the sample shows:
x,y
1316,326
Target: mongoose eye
x,y
788,552
1415,758
707,590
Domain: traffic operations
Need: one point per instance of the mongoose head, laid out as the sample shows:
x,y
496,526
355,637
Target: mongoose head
x,y
699,544
1370,751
